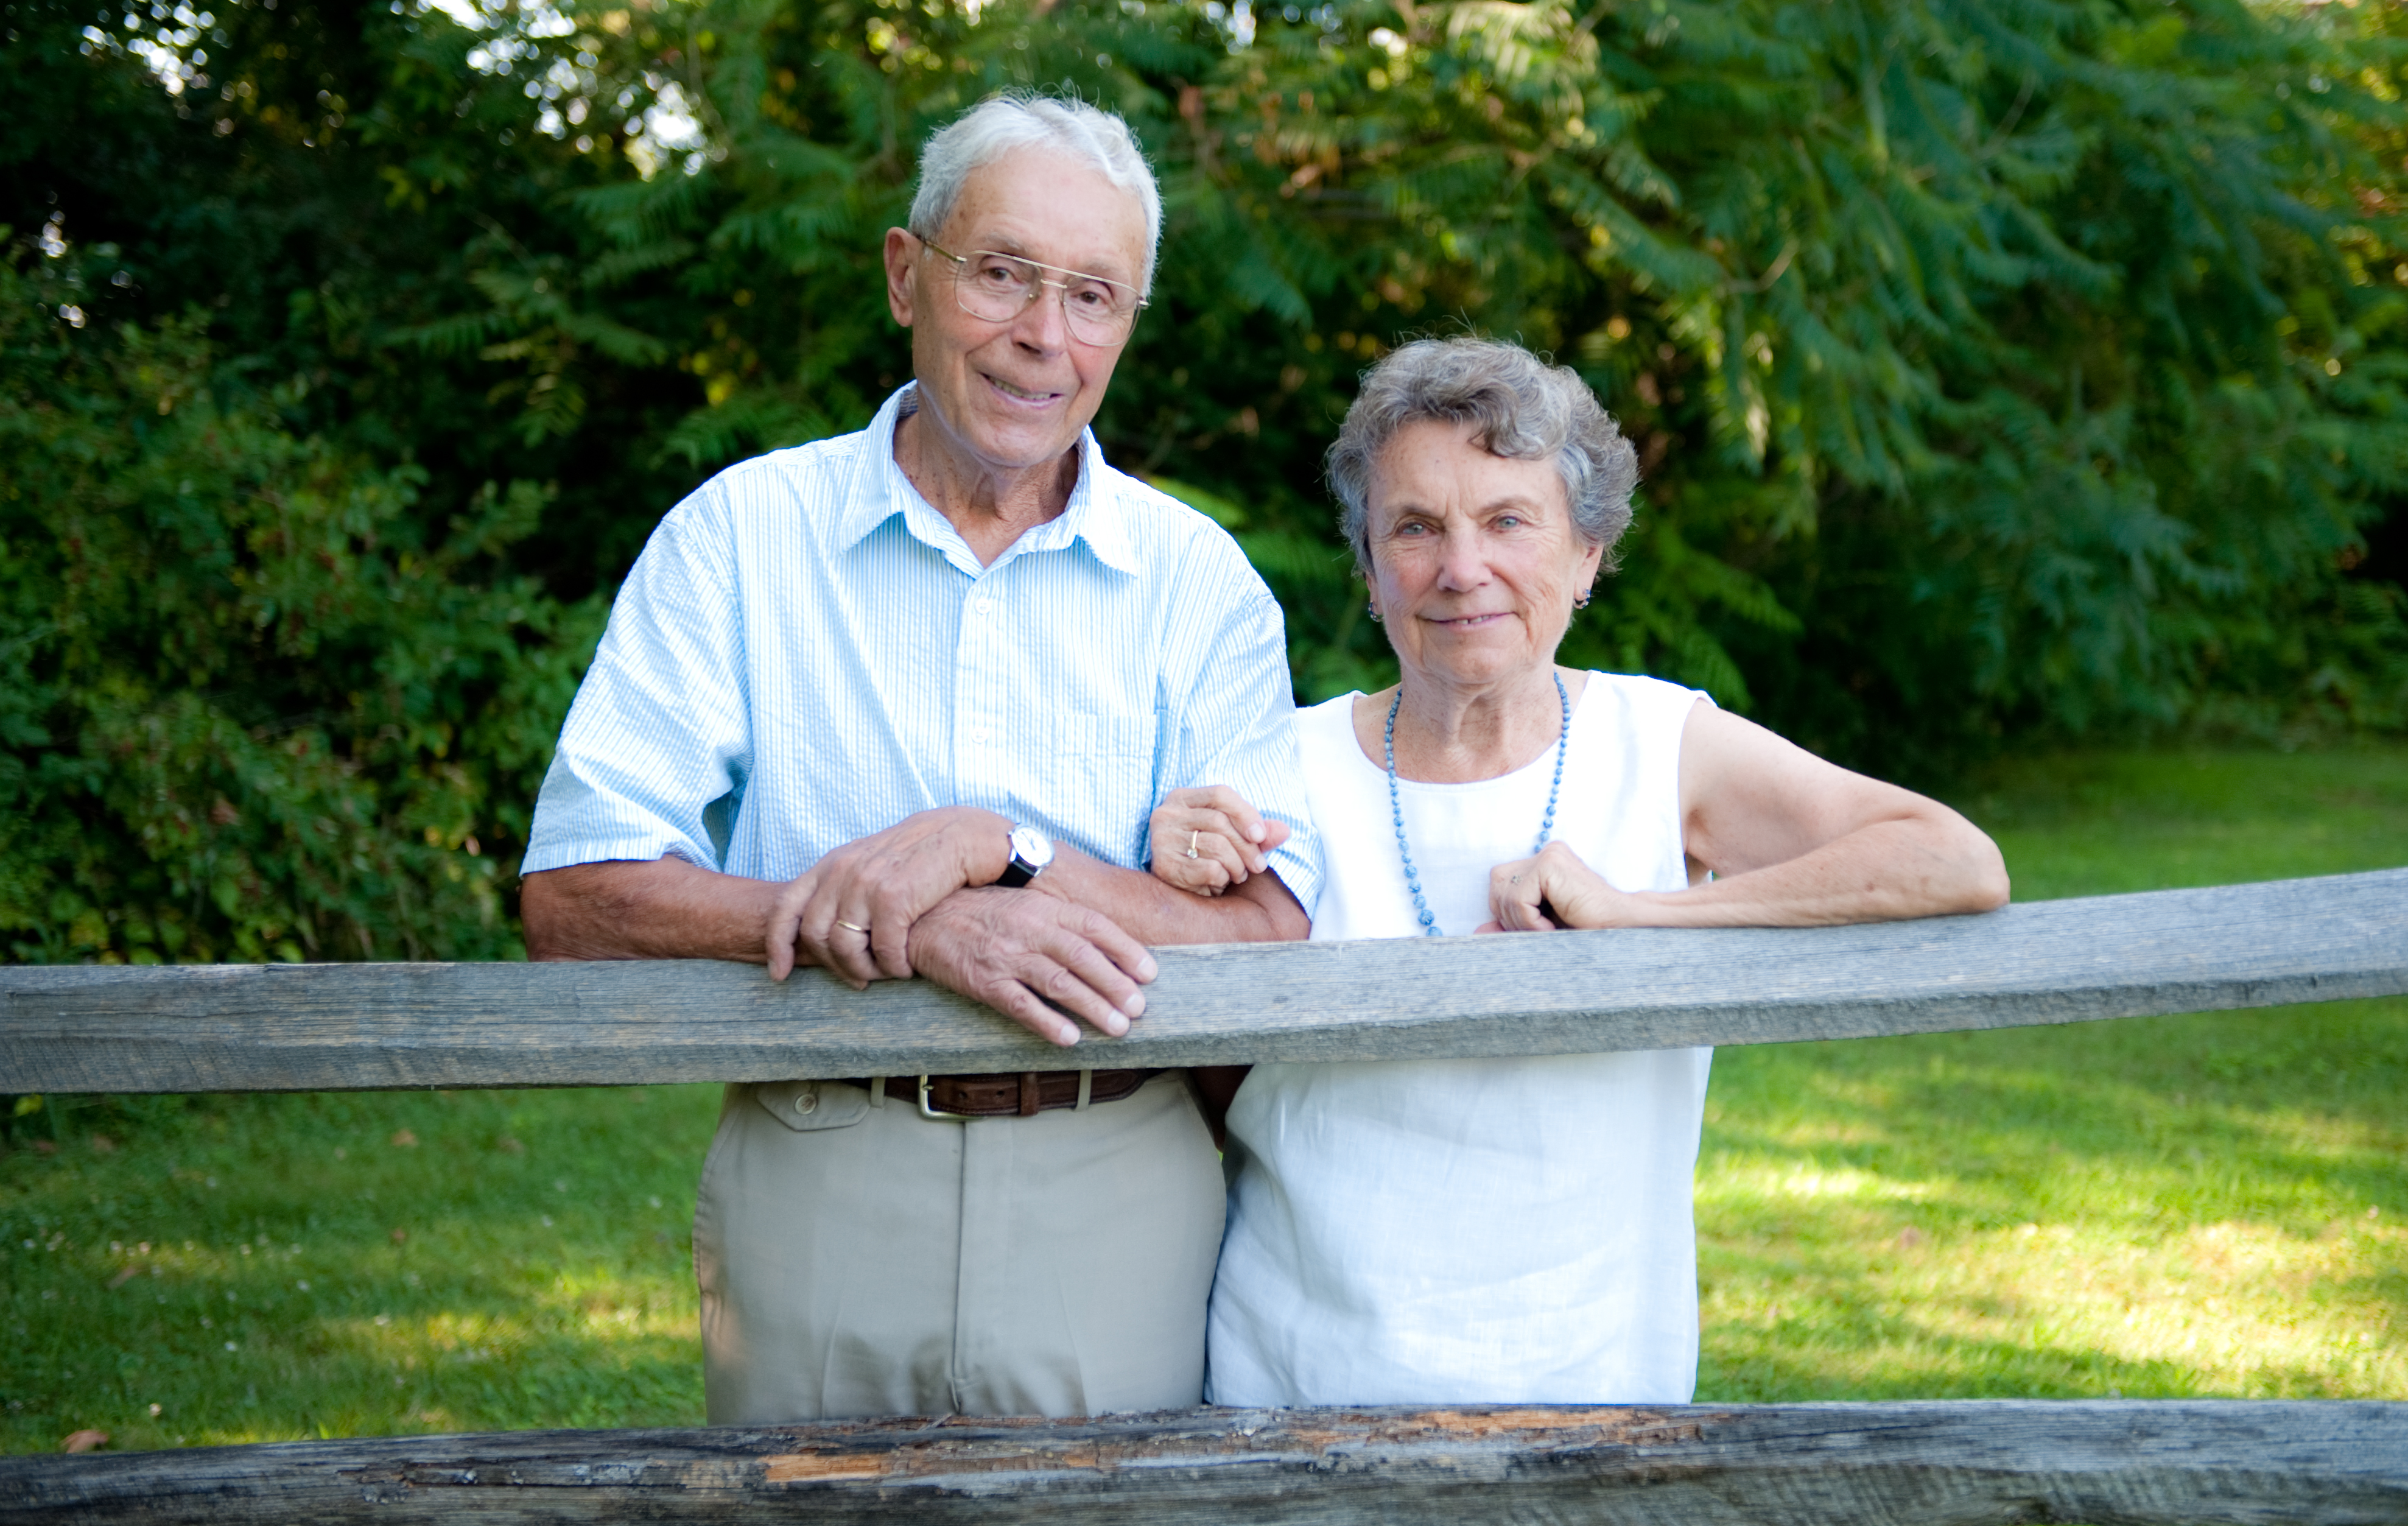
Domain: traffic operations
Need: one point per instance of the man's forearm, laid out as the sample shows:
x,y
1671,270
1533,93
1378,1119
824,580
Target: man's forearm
x,y
667,909
1261,910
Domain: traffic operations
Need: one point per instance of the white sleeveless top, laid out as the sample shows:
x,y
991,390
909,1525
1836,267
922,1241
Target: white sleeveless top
x,y
1473,1231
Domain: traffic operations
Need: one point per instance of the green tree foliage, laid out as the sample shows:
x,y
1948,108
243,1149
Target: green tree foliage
x,y
251,714
1999,368
1997,365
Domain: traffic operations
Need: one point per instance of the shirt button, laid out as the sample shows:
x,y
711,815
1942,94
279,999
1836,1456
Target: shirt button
x,y
978,733
984,605
806,1101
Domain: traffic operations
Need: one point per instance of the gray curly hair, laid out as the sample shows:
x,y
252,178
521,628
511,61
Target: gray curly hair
x,y
1022,119
1524,409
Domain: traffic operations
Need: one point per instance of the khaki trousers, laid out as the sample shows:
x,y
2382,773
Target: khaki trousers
x,y
858,1260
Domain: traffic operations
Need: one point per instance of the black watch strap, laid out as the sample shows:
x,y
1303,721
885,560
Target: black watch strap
x,y
1031,850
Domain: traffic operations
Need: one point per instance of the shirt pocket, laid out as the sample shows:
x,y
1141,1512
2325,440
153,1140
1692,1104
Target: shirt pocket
x,y
1090,780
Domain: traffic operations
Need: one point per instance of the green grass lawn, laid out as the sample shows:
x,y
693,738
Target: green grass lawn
x,y
259,1267
2213,1204
2207,1204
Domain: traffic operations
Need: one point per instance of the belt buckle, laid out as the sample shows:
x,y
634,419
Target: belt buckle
x,y
928,1112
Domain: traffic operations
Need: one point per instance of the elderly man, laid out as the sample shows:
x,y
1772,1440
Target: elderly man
x,y
899,703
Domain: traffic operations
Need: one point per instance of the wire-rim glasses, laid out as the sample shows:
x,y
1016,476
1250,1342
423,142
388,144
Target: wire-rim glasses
x,y
996,288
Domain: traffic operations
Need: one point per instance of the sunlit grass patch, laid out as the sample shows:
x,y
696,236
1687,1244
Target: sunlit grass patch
x,y
2081,1210
2207,1204
262,1268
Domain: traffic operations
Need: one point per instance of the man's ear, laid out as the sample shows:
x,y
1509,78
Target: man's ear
x,y
902,257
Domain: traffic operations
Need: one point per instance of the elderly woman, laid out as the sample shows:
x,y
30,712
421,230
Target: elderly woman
x,y
1511,1229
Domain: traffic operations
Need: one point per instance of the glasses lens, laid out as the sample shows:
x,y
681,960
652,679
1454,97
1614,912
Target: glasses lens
x,y
996,287
1100,313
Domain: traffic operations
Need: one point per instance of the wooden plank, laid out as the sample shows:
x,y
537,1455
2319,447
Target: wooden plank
x,y
336,1027
2179,1464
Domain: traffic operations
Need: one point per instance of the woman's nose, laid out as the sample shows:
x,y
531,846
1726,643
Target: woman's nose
x,y
1463,562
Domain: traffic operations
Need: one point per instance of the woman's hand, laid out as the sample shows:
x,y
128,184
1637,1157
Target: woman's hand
x,y
1209,839
1522,893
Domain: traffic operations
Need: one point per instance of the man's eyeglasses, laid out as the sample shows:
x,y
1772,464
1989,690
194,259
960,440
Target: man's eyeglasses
x,y
997,288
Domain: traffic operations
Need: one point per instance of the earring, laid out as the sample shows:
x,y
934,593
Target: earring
x,y
1582,602
1375,612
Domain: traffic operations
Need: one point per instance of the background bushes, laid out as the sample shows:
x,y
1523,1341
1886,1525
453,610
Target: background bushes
x,y
2001,371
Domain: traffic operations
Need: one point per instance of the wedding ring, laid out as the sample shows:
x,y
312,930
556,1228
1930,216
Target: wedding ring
x,y
1191,841
851,928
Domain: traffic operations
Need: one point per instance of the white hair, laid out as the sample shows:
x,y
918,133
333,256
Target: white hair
x,y
996,127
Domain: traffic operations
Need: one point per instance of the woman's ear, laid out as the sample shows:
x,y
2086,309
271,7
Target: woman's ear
x,y
1584,576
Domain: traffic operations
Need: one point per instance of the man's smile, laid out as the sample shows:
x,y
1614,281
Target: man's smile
x,y
1025,394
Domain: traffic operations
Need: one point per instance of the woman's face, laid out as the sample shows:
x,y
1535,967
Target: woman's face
x,y
1474,560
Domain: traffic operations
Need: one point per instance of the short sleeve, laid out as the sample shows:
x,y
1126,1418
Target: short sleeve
x,y
657,747
1234,722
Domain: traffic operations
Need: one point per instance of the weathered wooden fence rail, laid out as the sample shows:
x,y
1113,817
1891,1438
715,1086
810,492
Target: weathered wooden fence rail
x,y
330,1027
2112,1464
326,1027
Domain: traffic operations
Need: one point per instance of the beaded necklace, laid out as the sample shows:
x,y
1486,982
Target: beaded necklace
x,y
1397,810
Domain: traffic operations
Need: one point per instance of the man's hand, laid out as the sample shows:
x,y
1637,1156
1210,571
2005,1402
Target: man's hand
x,y
1016,950
884,884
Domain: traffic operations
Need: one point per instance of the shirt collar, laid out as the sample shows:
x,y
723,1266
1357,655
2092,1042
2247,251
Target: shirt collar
x,y
1094,513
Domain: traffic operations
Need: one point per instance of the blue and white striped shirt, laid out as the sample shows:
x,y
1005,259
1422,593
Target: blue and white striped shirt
x,y
807,652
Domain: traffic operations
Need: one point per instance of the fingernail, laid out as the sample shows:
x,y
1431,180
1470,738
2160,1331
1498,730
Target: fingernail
x,y
1067,1037
1115,1025
1135,1006
1149,969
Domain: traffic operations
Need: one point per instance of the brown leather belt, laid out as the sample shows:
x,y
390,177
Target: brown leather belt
x,y
1023,1095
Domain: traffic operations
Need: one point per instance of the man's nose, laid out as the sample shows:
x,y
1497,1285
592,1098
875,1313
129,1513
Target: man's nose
x,y
1044,325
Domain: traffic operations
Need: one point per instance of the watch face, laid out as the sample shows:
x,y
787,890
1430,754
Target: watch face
x,y
1031,847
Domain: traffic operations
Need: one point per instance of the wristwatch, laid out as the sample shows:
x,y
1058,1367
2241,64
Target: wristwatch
x,y
1031,850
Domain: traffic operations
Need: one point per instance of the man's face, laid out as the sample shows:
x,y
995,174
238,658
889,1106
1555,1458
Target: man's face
x,y
1013,396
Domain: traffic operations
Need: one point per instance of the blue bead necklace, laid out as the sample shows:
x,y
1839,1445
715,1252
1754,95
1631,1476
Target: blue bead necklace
x,y
1397,810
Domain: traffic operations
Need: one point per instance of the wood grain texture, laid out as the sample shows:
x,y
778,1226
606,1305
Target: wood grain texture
x,y
2133,1463
363,1027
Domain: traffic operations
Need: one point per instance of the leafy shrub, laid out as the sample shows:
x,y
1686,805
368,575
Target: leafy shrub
x,y
249,711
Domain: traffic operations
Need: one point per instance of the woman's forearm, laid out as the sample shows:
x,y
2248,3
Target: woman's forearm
x,y
1887,870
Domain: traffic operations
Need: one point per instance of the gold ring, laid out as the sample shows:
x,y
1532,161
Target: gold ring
x,y
851,928
1191,841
